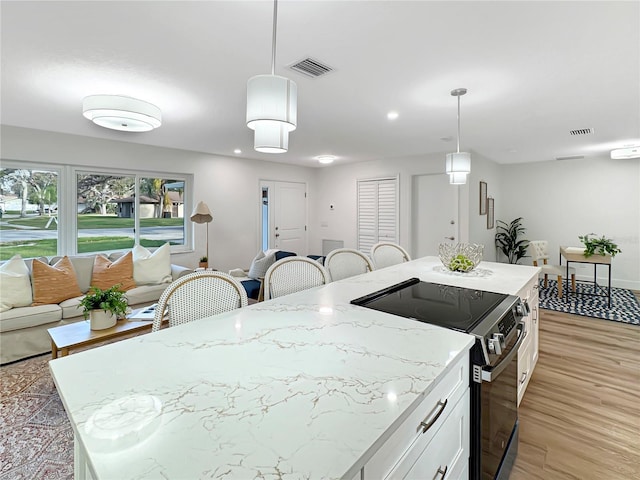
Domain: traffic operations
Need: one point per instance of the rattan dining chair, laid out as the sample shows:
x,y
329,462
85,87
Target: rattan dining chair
x,y
293,274
347,262
198,295
538,250
385,254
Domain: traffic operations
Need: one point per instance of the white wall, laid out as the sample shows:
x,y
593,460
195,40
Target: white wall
x,y
489,172
337,186
560,200
229,186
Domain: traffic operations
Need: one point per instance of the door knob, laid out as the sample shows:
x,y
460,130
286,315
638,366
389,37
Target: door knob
x,y
450,238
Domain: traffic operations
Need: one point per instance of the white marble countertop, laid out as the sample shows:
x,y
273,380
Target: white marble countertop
x,y
304,386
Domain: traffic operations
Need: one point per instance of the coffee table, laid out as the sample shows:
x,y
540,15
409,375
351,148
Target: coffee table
x,y
79,334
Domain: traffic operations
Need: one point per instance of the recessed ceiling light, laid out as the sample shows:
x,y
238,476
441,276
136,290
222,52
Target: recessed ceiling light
x,y
326,158
237,151
392,115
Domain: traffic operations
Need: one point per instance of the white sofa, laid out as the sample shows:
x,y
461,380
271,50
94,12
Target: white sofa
x,y
23,330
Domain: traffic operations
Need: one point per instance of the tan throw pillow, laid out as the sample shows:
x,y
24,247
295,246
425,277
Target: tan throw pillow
x,y
54,284
106,273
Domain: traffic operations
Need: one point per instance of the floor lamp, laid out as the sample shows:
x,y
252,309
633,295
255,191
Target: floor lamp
x,y
202,214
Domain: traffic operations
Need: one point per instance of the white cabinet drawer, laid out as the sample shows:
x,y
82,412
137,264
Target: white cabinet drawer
x,y
446,455
423,422
524,366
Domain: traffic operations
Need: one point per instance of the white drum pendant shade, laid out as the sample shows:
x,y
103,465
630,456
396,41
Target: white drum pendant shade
x,y
459,162
457,178
121,113
272,98
271,137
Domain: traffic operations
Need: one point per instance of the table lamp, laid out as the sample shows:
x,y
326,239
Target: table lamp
x,y
202,214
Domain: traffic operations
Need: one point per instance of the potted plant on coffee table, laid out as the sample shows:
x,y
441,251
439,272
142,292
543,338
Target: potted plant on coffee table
x,y
104,307
204,262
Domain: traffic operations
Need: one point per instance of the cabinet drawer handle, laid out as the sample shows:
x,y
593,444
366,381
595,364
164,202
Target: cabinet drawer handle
x,y
524,377
442,472
427,425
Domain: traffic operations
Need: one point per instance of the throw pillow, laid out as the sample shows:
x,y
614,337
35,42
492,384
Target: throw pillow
x,y
54,284
261,264
280,254
152,268
106,273
15,284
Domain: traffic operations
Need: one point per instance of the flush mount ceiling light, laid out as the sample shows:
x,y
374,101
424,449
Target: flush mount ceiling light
x,y
458,164
627,152
272,105
121,113
326,158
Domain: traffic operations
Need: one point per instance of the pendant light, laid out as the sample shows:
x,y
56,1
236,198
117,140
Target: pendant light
x,y
272,105
458,164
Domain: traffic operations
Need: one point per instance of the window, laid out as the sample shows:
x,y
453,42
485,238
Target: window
x,y
161,211
28,206
105,212
377,212
68,210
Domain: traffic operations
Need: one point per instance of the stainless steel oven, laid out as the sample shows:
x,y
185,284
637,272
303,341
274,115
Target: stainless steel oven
x,y
495,320
494,400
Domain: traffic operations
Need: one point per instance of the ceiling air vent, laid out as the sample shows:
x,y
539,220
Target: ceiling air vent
x,y
310,67
581,131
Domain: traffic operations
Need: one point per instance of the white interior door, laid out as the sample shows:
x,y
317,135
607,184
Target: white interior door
x,y
434,213
287,206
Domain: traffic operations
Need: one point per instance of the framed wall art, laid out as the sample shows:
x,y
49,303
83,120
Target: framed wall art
x,y
483,198
489,213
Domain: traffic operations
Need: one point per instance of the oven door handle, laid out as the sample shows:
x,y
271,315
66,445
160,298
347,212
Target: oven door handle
x,y
490,375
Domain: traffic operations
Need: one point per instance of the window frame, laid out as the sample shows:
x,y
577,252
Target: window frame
x,y
67,199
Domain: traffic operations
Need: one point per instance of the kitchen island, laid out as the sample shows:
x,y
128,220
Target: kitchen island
x,y
303,386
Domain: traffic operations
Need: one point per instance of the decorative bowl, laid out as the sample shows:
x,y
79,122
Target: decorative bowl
x,y
460,257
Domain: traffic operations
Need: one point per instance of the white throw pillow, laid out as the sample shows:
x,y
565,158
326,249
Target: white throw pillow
x,y
15,284
152,268
261,264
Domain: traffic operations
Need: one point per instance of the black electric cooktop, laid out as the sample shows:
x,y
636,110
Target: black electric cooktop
x,y
443,305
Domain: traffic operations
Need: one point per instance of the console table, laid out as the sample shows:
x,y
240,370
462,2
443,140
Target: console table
x,y
576,255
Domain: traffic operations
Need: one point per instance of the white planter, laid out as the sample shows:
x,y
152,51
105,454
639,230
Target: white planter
x,y
101,319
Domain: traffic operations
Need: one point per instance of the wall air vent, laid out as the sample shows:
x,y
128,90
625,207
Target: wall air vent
x,y
570,157
582,131
310,67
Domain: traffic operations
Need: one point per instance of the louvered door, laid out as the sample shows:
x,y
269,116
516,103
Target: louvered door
x,y
377,212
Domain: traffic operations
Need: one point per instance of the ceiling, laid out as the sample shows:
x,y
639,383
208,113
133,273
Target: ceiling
x,y
534,71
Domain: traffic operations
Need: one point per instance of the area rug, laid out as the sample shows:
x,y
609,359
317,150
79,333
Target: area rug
x,y
624,304
36,439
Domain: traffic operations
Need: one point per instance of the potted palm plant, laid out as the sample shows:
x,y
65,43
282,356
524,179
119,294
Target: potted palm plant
x,y
104,307
508,240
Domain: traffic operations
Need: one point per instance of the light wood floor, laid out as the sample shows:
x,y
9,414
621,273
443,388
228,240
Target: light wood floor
x,y
580,416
